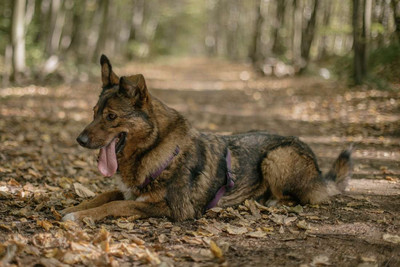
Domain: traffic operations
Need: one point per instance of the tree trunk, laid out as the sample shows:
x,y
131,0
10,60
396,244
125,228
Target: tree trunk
x,y
396,16
103,29
277,47
57,17
137,21
297,26
308,36
359,45
255,52
323,46
18,39
366,31
77,34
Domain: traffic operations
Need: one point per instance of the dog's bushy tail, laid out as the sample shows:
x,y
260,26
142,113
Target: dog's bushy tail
x,y
339,174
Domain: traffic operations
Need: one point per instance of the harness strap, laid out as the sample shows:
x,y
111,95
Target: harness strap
x,y
229,182
158,172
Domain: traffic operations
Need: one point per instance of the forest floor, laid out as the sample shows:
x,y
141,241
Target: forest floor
x,y
43,170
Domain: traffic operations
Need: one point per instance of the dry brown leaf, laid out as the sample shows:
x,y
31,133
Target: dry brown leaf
x,y
296,209
395,239
257,234
253,209
278,219
162,238
320,260
192,240
216,251
102,236
124,224
5,227
55,213
45,224
289,220
303,225
234,230
82,191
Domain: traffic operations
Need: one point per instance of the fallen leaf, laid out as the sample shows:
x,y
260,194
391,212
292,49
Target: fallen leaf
x,y
289,220
253,209
124,224
320,260
162,238
45,224
216,251
257,234
82,191
303,225
278,219
296,209
233,230
56,214
395,239
5,228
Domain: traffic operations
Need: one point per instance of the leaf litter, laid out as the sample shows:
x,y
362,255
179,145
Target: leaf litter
x,y
43,171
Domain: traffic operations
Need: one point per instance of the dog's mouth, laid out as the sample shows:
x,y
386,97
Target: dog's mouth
x,y
121,141
107,162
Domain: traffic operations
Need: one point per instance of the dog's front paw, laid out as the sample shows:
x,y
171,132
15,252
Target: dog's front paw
x,y
70,217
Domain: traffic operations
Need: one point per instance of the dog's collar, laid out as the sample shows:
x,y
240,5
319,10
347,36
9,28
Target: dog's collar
x,y
229,182
158,172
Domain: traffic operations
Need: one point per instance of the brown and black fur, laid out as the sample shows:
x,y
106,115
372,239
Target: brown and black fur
x,y
264,166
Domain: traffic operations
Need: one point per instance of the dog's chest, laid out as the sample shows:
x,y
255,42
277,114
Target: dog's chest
x,y
124,188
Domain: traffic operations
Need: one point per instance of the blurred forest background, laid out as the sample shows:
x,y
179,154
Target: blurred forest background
x,y
358,40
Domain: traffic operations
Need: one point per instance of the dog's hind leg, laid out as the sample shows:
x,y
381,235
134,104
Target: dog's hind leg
x,y
95,202
290,173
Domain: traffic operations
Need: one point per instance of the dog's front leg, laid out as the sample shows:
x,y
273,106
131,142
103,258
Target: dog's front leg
x,y
122,208
95,202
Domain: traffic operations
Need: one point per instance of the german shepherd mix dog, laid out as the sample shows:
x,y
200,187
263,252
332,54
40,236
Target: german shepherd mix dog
x,y
170,169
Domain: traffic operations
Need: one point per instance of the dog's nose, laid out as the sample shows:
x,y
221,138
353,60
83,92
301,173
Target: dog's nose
x,y
83,139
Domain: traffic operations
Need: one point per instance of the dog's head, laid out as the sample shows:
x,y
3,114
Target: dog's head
x,y
122,113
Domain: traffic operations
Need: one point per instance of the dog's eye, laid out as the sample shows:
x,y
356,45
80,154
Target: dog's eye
x,y
111,116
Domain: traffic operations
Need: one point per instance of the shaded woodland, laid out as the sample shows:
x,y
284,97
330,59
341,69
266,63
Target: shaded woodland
x,y
356,39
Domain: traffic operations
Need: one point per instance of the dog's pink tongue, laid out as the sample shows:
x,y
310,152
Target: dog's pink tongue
x,y
108,160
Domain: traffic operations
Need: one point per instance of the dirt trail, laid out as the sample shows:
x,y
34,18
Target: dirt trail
x,y
40,162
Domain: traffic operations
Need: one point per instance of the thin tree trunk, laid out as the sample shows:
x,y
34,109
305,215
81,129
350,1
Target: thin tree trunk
x,y
323,46
308,36
396,16
137,20
233,25
77,27
254,52
297,26
366,33
18,39
57,17
277,48
103,30
359,43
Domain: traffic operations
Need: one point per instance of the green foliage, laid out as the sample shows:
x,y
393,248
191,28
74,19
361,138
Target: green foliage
x,y
383,67
385,63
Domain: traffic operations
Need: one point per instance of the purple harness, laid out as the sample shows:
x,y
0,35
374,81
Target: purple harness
x,y
158,172
229,182
221,191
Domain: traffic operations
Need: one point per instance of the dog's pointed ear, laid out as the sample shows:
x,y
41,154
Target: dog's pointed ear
x,y
108,77
134,87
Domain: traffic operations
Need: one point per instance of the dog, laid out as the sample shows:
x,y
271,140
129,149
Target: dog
x,y
170,169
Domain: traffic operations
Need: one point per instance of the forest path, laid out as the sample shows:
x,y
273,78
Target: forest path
x,y
40,161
